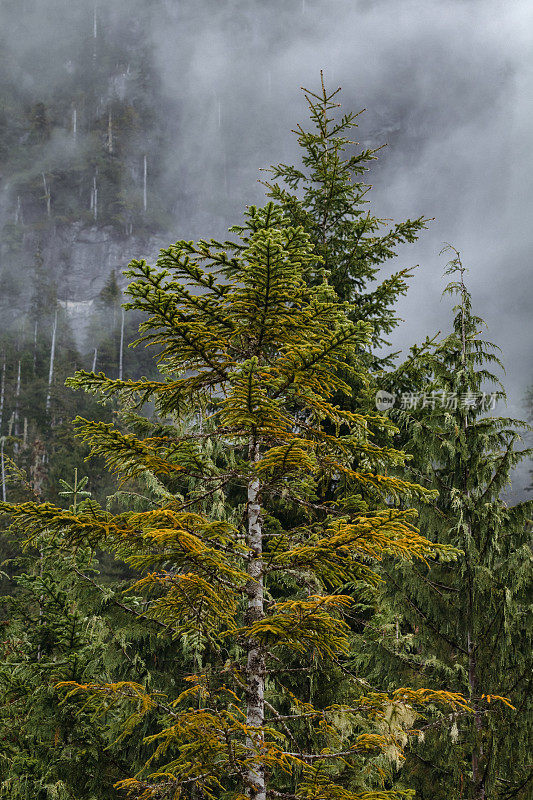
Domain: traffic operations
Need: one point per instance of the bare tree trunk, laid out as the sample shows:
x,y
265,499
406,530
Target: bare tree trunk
x,y
94,199
121,353
94,359
74,122
16,430
18,212
2,391
35,347
47,196
145,184
17,399
2,438
255,667
52,358
95,31
2,468
110,131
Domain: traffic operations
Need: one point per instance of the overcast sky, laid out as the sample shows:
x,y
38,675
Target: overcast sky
x,y
448,84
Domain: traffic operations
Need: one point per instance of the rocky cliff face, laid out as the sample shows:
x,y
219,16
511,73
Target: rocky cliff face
x,y
80,258
77,259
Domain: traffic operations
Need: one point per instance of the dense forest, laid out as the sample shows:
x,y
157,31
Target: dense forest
x,y
248,549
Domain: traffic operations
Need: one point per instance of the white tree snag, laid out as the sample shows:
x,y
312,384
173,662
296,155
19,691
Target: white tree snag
x,y
17,407
18,211
2,438
110,131
17,398
35,347
121,353
145,183
2,468
94,199
47,196
52,357
2,391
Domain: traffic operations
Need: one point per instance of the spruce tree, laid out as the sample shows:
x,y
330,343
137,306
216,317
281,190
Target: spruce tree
x,y
259,590
466,625
327,195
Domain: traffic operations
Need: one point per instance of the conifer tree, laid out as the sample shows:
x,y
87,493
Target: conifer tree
x,y
50,749
466,625
243,339
60,624
328,197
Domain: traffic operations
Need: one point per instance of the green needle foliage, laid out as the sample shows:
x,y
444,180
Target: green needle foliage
x,y
467,625
328,197
51,749
64,621
259,591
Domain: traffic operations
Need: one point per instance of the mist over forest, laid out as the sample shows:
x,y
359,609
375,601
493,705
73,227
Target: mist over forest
x,y
209,93
128,125
213,92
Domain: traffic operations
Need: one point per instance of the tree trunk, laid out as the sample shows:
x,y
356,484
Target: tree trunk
x,y
2,468
34,347
47,196
145,183
2,438
121,353
2,392
478,756
52,358
255,668
17,399
94,199
109,131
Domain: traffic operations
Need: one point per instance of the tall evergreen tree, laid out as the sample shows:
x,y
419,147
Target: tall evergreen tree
x,y
49,749
467,625
328,197
259,590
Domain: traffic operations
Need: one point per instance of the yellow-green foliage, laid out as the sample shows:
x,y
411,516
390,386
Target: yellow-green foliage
x,y
246,344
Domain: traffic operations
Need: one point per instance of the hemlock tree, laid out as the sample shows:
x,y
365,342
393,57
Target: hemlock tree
x,y
467,625
260,591
65,619
328,197
50,749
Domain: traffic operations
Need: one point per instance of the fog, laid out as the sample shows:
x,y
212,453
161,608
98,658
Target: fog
x,y
447,84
